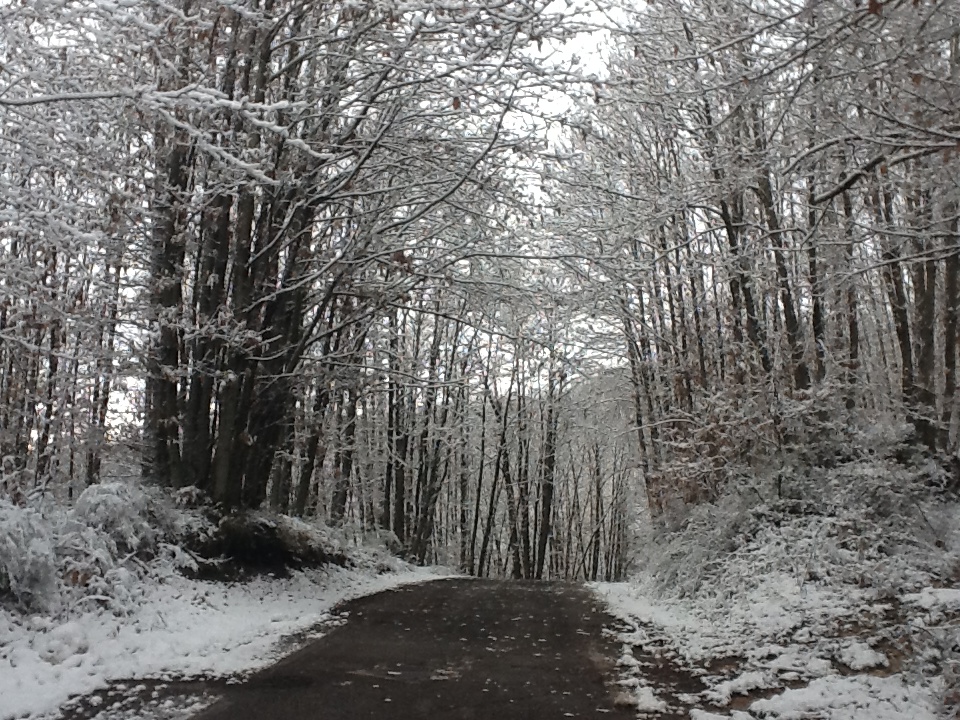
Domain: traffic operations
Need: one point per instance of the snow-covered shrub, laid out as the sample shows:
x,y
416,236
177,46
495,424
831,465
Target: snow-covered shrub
x,y
872,521
83,548
184,519
56,555
261,542
313,534
121,510
28,562
740,434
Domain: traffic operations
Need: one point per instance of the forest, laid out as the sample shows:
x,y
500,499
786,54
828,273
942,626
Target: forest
x,y
502,282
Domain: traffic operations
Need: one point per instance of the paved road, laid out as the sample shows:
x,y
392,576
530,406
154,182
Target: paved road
x,y
450,649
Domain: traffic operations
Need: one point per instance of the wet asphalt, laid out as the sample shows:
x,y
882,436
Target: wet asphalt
x,y
458,649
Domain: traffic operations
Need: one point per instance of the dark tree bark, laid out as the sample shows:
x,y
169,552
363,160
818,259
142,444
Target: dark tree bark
x,y
951,297
548,470
344,469
853,320
163,459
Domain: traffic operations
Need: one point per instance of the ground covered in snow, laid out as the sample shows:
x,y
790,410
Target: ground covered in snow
x,y
829,593
792,660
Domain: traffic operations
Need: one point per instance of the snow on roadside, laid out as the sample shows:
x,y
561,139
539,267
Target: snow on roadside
x,y
183,628
776,635
718,627
646,700
861,697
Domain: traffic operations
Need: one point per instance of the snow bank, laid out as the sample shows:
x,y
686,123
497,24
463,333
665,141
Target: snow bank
x,y
706,628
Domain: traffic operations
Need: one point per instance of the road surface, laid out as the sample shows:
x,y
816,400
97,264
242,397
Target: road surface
x,y
448,649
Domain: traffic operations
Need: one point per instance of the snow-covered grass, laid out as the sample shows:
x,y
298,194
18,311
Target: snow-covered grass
x,y
810,593
850,698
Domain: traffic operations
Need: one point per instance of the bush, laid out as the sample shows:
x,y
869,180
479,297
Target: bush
x,y
52,554
28,561
99,549
122,512
250,543
871,521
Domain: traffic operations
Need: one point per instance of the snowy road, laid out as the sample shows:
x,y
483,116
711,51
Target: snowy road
x,y
447,649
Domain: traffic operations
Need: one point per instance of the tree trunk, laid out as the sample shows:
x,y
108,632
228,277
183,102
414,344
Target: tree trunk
x,y
951,297
163,459
548,470
344,469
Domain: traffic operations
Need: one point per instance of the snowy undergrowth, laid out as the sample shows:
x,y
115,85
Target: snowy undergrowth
x,y
55,555
813,593
97,591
